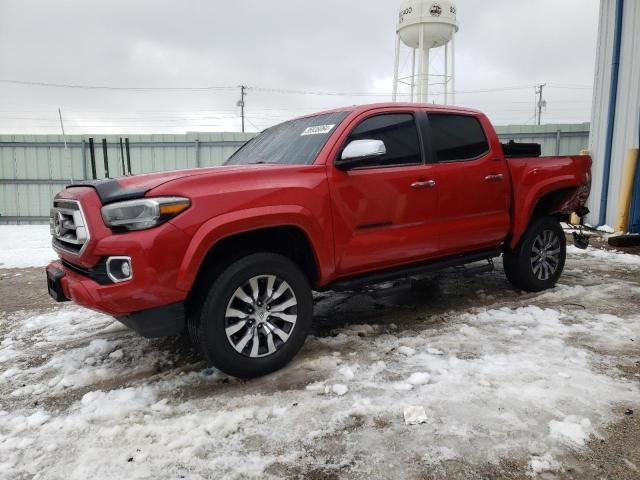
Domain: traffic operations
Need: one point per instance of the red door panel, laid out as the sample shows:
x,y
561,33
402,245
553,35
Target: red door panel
x,y
474,183
380,220
473,204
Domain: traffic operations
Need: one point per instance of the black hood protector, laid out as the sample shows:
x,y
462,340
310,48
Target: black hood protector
x,y
110,190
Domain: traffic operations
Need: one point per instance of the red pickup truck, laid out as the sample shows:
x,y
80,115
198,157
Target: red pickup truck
x,y
333,201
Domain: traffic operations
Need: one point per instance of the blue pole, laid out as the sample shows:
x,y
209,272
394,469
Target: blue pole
x,y
613,100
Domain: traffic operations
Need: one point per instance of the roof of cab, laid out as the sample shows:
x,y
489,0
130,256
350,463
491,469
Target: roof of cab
x,y
374,106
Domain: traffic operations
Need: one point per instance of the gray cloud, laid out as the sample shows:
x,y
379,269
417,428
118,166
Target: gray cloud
x,y
334,46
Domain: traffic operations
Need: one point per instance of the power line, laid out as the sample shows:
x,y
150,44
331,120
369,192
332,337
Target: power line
x,y
106,87
225,88
571,86
81,116
374,94
202,117
252,124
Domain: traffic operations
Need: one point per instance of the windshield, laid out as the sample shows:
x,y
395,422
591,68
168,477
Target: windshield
x,y
291,143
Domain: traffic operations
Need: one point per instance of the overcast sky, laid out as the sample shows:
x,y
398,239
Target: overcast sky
x,y
333,46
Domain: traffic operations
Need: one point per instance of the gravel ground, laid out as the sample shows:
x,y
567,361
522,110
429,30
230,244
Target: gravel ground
x,y
514,385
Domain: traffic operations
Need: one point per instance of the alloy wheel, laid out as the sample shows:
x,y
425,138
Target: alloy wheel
x,y
545,255
261,316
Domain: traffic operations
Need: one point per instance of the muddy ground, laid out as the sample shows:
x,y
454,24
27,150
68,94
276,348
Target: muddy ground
x,y
613,452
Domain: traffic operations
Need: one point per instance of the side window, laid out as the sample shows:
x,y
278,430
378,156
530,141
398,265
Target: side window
x,y
400,136
457,137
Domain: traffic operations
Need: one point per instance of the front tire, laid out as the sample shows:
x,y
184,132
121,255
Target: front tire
x,y
255,316
537,262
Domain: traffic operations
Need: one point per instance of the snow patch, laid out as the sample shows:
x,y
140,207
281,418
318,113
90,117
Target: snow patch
x,y
23,246
339,389
347,373
570,430
419,378
606,255
437,455
414,415
542,463
408,351
605,229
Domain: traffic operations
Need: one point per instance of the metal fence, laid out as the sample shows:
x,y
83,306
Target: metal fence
x,y
33,168
560,139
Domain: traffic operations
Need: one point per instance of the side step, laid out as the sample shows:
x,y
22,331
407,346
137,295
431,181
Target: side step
x,y
359,281
478,269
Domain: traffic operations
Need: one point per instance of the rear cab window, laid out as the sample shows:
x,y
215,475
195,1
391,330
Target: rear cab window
x,y
457,137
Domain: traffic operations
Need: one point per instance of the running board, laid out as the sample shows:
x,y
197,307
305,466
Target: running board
x,y
359,281
478,269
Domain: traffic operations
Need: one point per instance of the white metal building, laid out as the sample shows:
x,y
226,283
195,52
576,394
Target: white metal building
x,y
615,126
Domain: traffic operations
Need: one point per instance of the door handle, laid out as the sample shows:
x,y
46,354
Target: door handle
x,y
494,178
423,184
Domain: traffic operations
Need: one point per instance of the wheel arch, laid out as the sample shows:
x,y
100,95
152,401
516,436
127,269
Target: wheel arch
x,y
555,200
292,234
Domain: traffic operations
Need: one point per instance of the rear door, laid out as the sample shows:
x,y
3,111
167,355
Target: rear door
x,y
473,182
383,212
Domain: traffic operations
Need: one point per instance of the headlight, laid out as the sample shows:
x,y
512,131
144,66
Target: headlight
x,y
143,213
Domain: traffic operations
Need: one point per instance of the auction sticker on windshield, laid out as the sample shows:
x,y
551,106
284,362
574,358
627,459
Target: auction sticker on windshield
x,y
318,130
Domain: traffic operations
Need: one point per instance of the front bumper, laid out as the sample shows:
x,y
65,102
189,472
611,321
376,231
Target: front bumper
x,y
148,299
148,289
148,319
155,257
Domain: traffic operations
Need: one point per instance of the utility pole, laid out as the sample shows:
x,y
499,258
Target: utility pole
x,y
541,102
66,148
241,103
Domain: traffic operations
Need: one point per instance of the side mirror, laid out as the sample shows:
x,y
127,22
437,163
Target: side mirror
x,y
358,152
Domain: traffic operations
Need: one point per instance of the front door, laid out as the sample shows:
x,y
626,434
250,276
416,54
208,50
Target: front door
x,y
383,212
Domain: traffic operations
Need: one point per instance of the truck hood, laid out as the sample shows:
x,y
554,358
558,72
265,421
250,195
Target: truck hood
x,y
136,186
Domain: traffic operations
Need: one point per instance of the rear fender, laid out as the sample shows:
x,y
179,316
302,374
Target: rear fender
x,y
529,197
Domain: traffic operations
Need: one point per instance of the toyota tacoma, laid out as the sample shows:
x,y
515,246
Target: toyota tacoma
x,y
337,201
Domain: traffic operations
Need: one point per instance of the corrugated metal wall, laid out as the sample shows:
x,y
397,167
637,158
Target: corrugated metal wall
x,y
627,118
556,139
33,168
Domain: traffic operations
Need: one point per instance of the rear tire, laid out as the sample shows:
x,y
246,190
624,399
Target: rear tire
x,y
254,317
538,260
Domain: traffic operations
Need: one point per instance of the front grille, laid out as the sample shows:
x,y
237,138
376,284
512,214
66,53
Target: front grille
x,y
68,226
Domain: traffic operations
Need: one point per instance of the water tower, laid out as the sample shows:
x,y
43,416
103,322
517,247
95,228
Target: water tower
x,y
425,25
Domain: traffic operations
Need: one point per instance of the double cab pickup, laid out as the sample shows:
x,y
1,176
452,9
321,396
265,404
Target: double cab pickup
x,y
333,201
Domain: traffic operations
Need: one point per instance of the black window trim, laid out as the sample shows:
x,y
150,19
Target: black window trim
x,y
417,120
434,153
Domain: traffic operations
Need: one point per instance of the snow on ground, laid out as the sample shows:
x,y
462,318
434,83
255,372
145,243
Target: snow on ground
x,y
24,246
606,255
492,382
526,375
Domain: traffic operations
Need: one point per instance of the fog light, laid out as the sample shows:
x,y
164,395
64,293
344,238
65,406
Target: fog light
x,y
119,269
